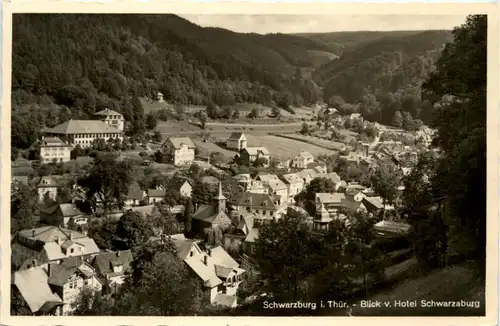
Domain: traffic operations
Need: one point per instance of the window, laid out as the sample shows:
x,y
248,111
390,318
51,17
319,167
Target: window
x,y
248,209
264,212
271,213
257,211
72,250
86,282
191,253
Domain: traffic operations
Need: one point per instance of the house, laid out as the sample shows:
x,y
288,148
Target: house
x,y
180,149
49,244
319,167
277,187
47,187
183,186
83,132
375,204
250,154
329,202
112,268
294,183
353,206
112,118
220,275
160,96
244,224
265,177
256,187
68,278
333,177
156,195
237,141
54,150
302,160
264,205
249,249
134,195
185,248
212,216
307,175
62,215
32,295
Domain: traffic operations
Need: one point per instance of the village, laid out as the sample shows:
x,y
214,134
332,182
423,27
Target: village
x,y
54,260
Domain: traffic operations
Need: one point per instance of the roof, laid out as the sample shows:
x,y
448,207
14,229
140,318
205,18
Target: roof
x,y
107,112
256,200
334,177
208,213
60,273
304,154
276,184
236,135
157,193
69,210
143,210
104,261
134,192
267,177
351,204
207,272
390,226
246,223
177,142
50,233
252,235
253,151
327,198
33,285
47,181
52,142
307,173
184,246
82,127
375,202
292,178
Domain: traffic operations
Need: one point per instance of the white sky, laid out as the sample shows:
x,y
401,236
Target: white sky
x,y
263,24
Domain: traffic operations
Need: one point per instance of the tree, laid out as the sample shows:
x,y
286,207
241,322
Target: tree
x,y
203,119
460,119
151,121
216,158
307,197
385,181
188,215
132,231
164,222
397,120
157,137
160,285
276,112
284,273
22,204
108,182
254,114
91,303
213,236
305,129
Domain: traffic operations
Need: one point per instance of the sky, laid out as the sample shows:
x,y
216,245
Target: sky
x,y
263,24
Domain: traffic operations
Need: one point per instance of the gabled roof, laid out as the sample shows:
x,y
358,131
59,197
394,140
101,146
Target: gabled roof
x,y
291,178
252,235
59,274
105,261
157,193
33,285
107,112
52,142
50,233
177,142
327,198
47,181
82,127
256,200
246,224
236,135
375,202
184,246
134,192
69,210
253,151
276,184
266,177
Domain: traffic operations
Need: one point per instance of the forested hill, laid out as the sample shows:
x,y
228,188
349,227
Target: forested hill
x,y
380,73
73,58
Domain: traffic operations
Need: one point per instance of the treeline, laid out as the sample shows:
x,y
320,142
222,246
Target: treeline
x,y
384,76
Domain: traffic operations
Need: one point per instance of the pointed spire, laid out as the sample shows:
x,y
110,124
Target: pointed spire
x,y
220,195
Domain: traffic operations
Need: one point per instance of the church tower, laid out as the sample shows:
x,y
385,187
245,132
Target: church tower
x,y
220,200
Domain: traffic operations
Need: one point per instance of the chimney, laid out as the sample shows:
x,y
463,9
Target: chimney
x,y
118,253
205,260
33,232
34,261
210,252
71,236
58,240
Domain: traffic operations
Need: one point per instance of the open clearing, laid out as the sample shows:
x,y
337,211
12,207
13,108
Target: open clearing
x,y
285,148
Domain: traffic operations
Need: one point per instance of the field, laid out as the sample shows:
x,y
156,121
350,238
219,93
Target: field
x,y
285,148
314,141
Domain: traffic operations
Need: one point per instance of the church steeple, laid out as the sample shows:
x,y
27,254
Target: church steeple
x,y
220,200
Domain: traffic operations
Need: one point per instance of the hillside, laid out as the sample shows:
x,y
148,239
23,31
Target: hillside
x,y
382,74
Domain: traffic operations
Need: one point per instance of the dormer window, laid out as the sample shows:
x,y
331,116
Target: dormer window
x,y
191,253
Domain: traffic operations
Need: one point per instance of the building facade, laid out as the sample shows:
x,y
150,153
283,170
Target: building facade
x,y
54,150
237,141
180,149
112,118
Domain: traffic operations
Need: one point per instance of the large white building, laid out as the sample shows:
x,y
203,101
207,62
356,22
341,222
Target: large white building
x,y
83,132
112,118
54,150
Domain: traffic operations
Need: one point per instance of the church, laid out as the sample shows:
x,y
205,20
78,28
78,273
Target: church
x,y
212,216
